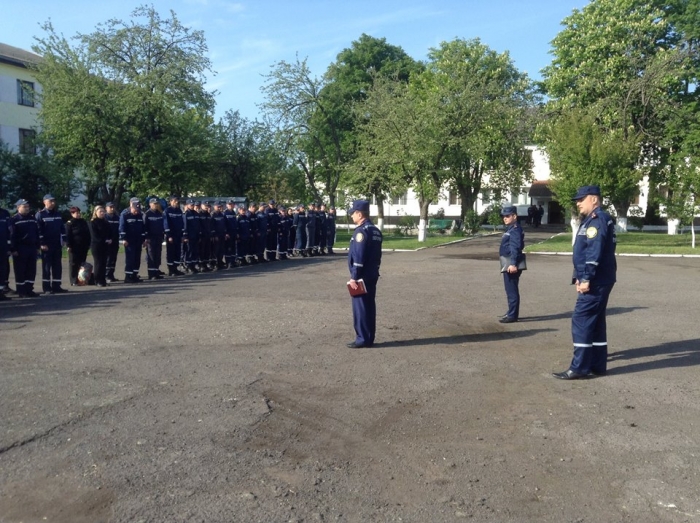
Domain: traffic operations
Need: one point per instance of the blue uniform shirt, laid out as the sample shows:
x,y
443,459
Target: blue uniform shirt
x,y
131,227
594,250
52,230
512,244
191,227
154,225
365,254
173,222
113,220
24,232
218,224
243,225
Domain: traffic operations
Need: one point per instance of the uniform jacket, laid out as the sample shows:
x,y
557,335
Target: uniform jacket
x,y
365,254
24,232
154,226
173,222
52,231
512,244
205,224
594,249
231,223
131,227
273,218
100,232
4,231
218,224
243,225
113,220
78,234
192,225
253,224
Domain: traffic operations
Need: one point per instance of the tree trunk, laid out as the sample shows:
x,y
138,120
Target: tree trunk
x,y
575,223
380,214
423,221
622,210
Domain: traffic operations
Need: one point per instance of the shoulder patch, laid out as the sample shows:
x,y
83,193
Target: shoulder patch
x,y
591,233
359,237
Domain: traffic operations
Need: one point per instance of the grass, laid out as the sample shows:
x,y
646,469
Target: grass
x,y
628,243
342,239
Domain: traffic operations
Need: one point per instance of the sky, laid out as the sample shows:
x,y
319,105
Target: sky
x,y
247,38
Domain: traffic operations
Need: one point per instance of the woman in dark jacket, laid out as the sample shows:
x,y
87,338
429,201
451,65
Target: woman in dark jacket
x,y
78,242
101,239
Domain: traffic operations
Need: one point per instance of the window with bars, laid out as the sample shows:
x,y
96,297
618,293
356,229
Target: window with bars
x,y
25,93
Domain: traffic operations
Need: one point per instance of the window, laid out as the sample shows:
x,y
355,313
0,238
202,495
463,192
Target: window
x,y
455,198
25,93
26,141
486,196
519,198
400,200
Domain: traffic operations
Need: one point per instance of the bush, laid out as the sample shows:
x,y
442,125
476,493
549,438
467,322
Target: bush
x,y
406,225
472,222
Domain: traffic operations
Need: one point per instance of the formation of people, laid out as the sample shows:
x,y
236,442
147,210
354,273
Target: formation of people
x,y
202,237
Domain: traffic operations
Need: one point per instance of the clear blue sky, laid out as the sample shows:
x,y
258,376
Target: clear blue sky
x,y
246,38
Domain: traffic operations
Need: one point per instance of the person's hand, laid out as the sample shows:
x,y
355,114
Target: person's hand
x,y
125,243
70,250
584,287
512,269
170,240
44,247
353,285
185,240
108,242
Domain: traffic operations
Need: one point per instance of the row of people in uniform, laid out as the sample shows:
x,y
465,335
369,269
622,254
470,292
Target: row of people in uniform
x,y
203,236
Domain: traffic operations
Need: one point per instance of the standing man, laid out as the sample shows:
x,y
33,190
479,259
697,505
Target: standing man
x,y
243,242
5,253
231,233
254,232
133,235
52,237
154,230
511,254
112,218
219,231
364,258
24,245
299,224
311,230
190,237
174,226
273,219
330,229
78,240
594,275
321,238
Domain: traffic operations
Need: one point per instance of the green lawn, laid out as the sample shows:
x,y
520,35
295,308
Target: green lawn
x,y
628,243
342,239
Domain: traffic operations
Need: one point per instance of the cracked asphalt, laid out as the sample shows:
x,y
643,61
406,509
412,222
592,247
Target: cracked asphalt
x,y
230,397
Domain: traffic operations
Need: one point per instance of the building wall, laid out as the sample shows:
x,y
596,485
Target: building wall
x,y
14,116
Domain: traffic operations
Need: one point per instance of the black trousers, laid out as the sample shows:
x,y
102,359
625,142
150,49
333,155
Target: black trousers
x,y
173,253
25,269
99,262
51,268
111,260
4,269
76,257
154,252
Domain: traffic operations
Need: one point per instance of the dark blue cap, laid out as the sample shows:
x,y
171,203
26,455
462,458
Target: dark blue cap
x,y
135,200
48,197
272,202
153,200
585,191
189,201
359,205
21,201
109,204
173,197
507,211
230,201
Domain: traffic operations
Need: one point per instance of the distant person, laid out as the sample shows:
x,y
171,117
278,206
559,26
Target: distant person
x,y
24,246
154,230
511,256
132,234
364,259
52,237
174,226
531,213
538,215
78,242
595,271
112,218
5,253
100,242
330,229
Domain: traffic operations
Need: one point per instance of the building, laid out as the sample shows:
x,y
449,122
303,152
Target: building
x,y
18,104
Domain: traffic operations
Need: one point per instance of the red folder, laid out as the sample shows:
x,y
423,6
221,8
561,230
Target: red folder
x,y
361,289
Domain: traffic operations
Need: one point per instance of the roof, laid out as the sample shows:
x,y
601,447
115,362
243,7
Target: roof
x,y
16,56
540,189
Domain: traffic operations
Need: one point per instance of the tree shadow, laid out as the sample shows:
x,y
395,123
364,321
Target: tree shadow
x,y
612,311
461,338
684,353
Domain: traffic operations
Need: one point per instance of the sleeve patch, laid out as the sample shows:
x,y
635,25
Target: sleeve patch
x,y
591,233
359,237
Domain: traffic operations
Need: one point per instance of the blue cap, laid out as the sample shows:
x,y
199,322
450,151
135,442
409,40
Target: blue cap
x,y
21,201
507,211
48,197
109,204
585,191
135,200
153,200
359,205
272,202
230,201
189,201
173,197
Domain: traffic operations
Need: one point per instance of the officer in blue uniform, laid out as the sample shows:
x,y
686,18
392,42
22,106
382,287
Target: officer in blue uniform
x,y
174,226
364,258
311,230
24,245
5,253
283,226
231,233
254,233
112,218
205,236
273,219
154,229
511,250
218,235
594,275
330,229
52,237
299,224
132,233
243,242
190,237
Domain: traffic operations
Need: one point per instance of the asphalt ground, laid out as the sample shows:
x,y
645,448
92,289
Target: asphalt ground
x,y
231,397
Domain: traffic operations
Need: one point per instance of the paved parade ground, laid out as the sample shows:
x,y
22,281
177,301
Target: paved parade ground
x,y
231,397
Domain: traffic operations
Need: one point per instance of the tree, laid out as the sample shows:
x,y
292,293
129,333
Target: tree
x,y
119,102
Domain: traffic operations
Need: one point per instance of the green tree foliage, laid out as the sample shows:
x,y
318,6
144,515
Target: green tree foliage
x,y
127,104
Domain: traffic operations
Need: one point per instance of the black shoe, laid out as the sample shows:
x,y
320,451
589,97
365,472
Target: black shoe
x,y
178,273
47,292
101,284
31,294
3,297
112,279
355,345
568,375
507,319
156,277
599,373
60,290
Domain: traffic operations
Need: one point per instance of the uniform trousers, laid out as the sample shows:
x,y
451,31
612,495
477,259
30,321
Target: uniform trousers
x,y
173,252
589,331
24,264
4,269
111,261
364,314
511,282
218,249
300,242
154,252
310,237
51,268
132,258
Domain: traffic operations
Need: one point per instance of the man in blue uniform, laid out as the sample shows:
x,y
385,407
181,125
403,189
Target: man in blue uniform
x,y
311,230
594,275
511,255
273,219
154,229
231,233
218,236
112,218
132,233
364,258
52,237
190,237
243,243
254,232
5,253
330,229
24,245
174,226
299,224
